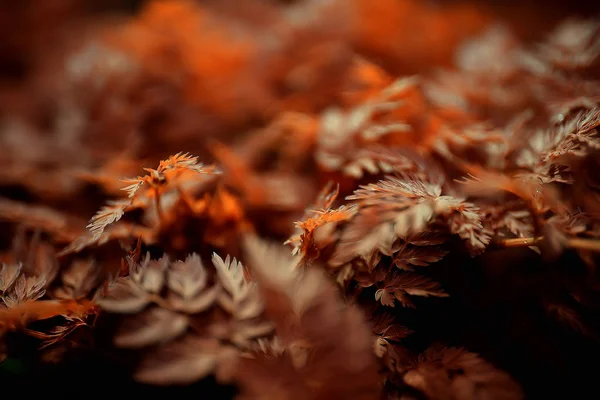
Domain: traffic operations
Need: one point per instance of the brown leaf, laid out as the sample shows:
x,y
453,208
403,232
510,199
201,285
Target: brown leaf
x,y
182,363
154,326
125,297
8,275
78,280
187,278
386,298
114,232
62,227
204,300
245,332
395,332
231,275
150,274
309,312
107,215
241,299
407,283
25,288
61,332
435,375
167,170
420,256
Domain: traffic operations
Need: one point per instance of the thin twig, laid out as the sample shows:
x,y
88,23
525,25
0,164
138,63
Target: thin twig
x,y
517,242
159,212
573,243
584,244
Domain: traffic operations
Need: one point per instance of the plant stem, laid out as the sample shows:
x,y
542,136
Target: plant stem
x,y
584,244
574,243
517,242
159,212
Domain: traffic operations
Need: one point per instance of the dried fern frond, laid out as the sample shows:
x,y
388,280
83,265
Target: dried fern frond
x,y
319,231
345,138
544,148
167,171
118,231
396,188
402,285
184,363
107,215
410,256
574,44
25,289
462,373
21,314
33,268
78,280
529,187
387,337
242,301
61,227
401,208
321,147
165,304
60,333
308,314
29,291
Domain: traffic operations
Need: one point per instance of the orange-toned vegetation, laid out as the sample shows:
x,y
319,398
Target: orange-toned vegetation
x,y
313,199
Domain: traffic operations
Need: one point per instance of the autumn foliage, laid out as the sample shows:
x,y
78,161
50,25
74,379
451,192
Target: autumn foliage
x,y
302,200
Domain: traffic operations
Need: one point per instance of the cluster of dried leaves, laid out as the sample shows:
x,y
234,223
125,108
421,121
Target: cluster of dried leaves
x,y
318,254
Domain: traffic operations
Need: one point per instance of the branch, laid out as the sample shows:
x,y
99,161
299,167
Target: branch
x,y
573,243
